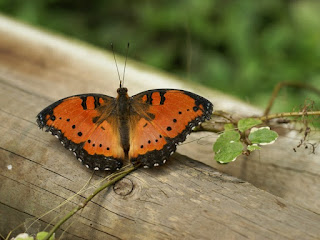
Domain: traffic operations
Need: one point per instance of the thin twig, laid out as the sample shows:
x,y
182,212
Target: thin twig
x,y
290,84
223,115
209,127
289,114
113,178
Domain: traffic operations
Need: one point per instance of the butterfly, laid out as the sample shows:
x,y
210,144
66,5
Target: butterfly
x,y
105,132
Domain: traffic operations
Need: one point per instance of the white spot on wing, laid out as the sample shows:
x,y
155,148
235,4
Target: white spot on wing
x,y
9,167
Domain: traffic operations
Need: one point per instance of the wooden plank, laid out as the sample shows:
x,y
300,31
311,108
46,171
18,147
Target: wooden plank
x,y
183,199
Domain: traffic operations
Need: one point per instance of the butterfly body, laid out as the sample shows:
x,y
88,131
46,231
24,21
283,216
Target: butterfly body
x,y
106,132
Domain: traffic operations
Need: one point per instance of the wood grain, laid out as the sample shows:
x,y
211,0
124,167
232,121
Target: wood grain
x,y
184,199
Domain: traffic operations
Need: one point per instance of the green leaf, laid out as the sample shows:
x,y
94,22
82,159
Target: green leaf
x,y
228,126
247,123
262,136
225,138
253,147
228,146
42,235
229,152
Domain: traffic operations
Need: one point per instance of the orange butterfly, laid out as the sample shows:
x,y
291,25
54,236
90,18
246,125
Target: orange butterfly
x,y
105,132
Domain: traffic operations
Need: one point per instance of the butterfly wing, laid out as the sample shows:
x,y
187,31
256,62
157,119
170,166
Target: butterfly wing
x,y
162,119
87,125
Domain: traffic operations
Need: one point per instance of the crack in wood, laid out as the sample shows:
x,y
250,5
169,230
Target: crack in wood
x,y
16,154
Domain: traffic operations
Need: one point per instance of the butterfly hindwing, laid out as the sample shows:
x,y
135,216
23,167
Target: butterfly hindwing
x,y
163,119
87,125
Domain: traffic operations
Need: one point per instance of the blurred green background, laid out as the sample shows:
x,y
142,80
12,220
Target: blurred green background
x,y
241,47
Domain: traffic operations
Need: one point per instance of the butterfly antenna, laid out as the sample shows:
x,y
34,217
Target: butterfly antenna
x,y
125,63
115,60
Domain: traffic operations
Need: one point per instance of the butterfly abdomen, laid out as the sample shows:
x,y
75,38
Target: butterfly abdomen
x,y
123,109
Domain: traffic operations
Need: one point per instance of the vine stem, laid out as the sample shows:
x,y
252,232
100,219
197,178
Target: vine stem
x,y
223,114
209,128
289,84
289,114
113,178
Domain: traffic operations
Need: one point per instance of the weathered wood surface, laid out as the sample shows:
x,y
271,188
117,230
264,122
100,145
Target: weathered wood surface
x,y
294,176
183,199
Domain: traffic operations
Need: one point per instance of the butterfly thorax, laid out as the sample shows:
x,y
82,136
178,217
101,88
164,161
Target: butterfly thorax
x,y
123,109
122,103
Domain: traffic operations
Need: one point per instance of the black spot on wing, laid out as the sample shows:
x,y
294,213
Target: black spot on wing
x,y
84,103
151,116
95,119
149,98
163,98
96,102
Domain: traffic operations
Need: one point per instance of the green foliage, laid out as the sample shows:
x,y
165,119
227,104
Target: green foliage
x,y
262,136
247,123
253,147
240,47
226,137
228,126
42,235
228,146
